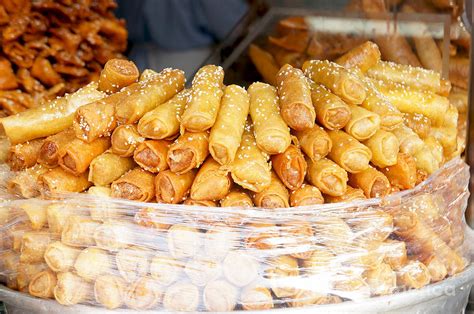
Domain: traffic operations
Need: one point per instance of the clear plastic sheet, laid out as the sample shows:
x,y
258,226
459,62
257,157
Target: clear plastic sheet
x,y
79,249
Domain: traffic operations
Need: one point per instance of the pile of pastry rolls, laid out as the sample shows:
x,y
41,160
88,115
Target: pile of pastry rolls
x,y
140,145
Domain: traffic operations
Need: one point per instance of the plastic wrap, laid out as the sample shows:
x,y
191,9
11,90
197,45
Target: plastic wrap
x,y
83,249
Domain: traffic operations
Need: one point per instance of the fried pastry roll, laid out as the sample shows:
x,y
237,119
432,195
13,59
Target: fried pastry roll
x,y
76,156
226,134
52,145
36,214
384,147
410,142
425,160
136,185
418,123
42,284
92,262
25,272
125,139
110,291
114,235
220,296
165,269
237,198
436,268
265,64
314,142
362,57
390,116
331,111
335,77
211,182
24,183
33,246
143,294
181,296
351,194
327,176
447,138
163,121
282,267
274,196
150,93
25,155
172,188
57,180
382,280
117,73
290,166
363,123
183,241
403,173
255,298
296,107
79,231
203,107
60,257
373,182
250,168
133,263
151,155
414,275
188,152
108,167
306,195
239,268
394,253
459,71
271,132
348,152
71,289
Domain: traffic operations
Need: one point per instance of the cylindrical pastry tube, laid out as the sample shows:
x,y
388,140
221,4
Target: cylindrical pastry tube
x,y
381,280
255,298
425,160
60,257
211,183
24,183
114,235
436,149
36,214
201,270
152,217
459,71
410,142
201,112
282,267
370,226
306,195
183,241
181,297
327,176
239,268
394,252
173,188
71,289
163,121
414,275
315,142
125,139
296,107
42,284
250,168
371,181
403,173
335,77
436,268
133,263
415,77
226,133
108,167
363,123
151,155
237,198
150,94
49,118
331,111
143,294
219,240
290,166
418,123
389,115
25,155
334,233
135,185
351,194
58,214
117,73
362,57
384,147
447,138
271,132
102,210
348,152
109,291
25,272
273,196
409,100
220,296
262,235
33,246
298,237
265,64
165,269
76,156
79,231
319,261
188,152
49,151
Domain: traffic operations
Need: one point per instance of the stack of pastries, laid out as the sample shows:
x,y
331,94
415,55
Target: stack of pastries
x,y
333,132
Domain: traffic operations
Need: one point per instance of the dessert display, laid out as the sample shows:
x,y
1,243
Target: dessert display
x,y
50,48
